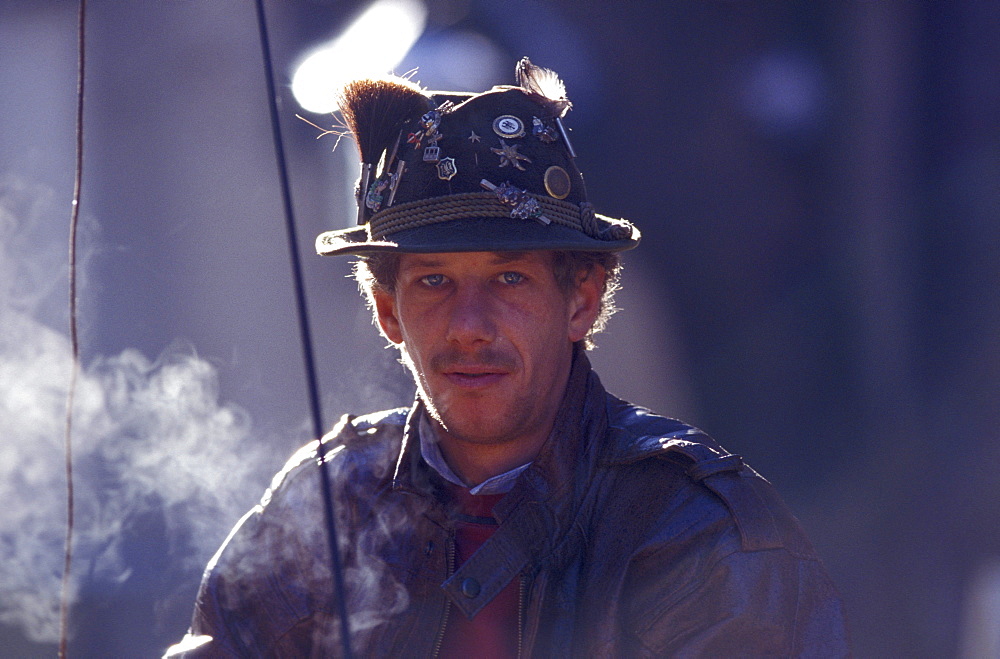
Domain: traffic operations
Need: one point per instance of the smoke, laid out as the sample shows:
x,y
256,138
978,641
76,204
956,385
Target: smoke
x,y
150,436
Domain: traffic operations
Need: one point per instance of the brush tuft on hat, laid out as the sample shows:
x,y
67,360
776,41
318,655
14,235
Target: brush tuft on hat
x,y
375,110
544,85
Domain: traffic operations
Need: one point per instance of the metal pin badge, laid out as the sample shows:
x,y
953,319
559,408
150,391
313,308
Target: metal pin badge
x,y
543,131
432,152
430,121
447,169
394,180
523,206
427,130
509,156
374,197
557,182
509,126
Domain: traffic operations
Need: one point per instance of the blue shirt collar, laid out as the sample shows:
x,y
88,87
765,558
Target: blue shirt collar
x,y
431,452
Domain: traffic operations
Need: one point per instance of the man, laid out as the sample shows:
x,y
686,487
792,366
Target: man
x,y
517,509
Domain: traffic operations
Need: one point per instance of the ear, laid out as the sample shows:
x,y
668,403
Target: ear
x,y
385,313
585,302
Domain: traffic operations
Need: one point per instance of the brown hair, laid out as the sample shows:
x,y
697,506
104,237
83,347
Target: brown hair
x,y
377,271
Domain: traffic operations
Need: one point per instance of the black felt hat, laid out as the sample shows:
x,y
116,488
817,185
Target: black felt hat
x,y
469,172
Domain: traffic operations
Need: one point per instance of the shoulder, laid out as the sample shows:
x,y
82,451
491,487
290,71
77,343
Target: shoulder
x,y
357,445
358,453
636,433
718,560
692,481
261,581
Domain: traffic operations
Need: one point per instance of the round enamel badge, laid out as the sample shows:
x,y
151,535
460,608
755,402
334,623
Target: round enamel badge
x,y
509,126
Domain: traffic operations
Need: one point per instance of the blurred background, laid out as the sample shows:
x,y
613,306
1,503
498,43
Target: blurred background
x,y
817,182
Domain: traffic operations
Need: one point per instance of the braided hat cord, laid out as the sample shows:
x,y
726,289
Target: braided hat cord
x,y
486,205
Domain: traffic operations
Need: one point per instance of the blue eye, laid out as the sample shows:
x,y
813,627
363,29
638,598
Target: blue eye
x,y
433,280
512,277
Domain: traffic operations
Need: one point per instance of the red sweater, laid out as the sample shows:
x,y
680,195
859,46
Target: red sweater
x,y
493,632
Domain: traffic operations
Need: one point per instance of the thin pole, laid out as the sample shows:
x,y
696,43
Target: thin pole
x,y
340,604
74,338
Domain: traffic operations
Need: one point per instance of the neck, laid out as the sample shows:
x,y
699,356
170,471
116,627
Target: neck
x,y
475,463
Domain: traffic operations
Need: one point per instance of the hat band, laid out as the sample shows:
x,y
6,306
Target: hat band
x,y
469,205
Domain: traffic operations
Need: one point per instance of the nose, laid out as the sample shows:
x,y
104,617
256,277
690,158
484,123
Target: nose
x,y
470,317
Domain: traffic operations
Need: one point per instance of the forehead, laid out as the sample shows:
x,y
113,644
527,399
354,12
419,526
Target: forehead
x,y
474,259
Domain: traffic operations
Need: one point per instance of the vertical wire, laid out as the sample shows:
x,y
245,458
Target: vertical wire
x,y
74,337
339,603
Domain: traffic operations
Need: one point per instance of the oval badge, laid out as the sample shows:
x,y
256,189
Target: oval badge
x,y
557,182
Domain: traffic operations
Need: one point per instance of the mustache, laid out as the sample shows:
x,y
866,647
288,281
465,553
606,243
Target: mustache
x,y
488,358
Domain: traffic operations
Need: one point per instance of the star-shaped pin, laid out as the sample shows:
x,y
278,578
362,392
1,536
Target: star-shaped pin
x,y
509,155
473,137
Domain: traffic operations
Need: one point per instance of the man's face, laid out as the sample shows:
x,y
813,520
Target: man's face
x,y
488,337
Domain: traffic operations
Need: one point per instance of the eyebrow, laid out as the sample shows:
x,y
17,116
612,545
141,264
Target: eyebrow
x,y
497,258
508,257
424,262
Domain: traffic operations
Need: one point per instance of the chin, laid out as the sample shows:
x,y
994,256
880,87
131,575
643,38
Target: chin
x,y
478,429
477,433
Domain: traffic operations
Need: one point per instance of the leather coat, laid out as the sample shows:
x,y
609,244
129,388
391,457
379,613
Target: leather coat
x,y
631,535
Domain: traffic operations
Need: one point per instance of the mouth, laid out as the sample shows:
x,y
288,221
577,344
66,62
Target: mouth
x,y
469,377
473,373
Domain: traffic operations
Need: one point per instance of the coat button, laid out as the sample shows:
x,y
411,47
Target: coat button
x,y
470,587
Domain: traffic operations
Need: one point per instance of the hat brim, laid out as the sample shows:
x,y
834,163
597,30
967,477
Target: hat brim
x,y
471,235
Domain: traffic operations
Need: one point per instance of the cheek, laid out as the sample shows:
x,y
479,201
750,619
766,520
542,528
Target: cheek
x,y
545,334
414,328
420,336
